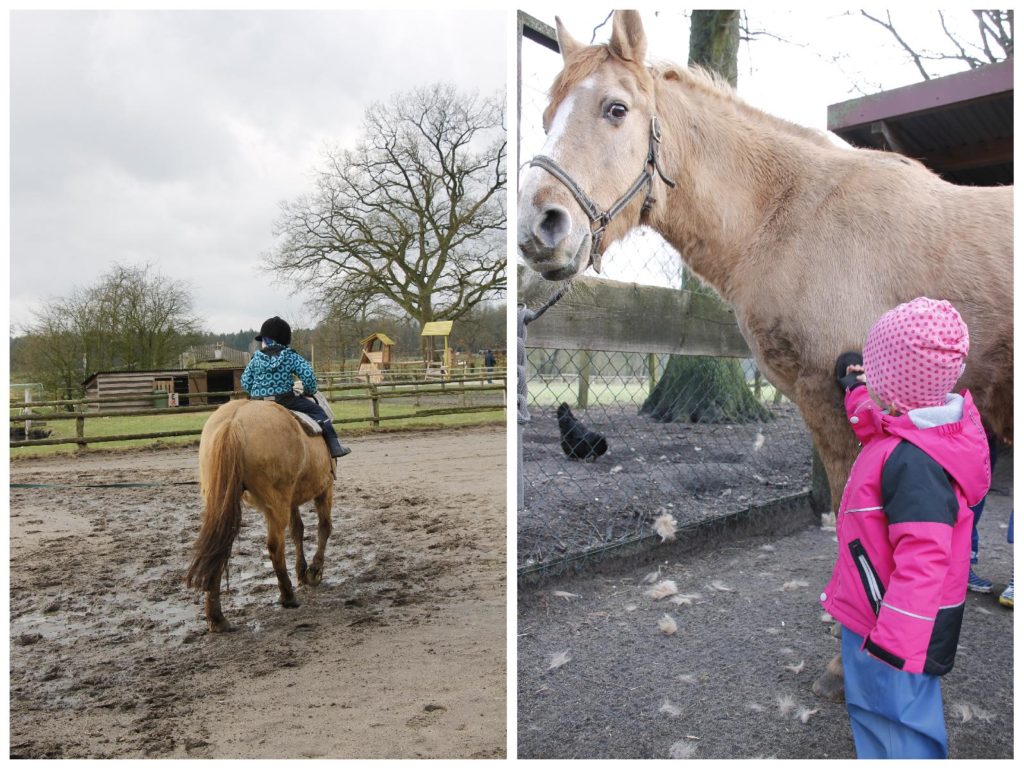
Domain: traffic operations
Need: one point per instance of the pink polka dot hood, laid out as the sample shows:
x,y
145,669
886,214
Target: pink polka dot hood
x,y
915,353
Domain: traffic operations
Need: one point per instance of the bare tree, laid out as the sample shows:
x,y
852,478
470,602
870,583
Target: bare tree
x,y
412,221
995,40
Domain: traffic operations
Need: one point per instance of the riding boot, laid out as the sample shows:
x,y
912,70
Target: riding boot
x,y
333,444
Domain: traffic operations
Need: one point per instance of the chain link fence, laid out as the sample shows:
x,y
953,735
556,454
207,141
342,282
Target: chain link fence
x,y
690,472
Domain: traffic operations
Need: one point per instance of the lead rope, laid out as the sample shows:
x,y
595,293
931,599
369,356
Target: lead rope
x,y
524,318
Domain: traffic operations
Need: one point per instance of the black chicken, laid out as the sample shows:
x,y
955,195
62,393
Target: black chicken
x,y
577,441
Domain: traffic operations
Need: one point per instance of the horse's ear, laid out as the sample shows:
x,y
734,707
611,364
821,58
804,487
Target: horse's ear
x,y
628,40
567,44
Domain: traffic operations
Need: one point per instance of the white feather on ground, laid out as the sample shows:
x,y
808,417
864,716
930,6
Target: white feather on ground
x,y
682,750
565,595
768,548
559,659
786,650
631,607
665,527
803,715
755,707
616,469
787,705
687,678
652,577
758,441
795,584
798,668
825,617
719,585
663,589
670,710
965,711
684,599
667,625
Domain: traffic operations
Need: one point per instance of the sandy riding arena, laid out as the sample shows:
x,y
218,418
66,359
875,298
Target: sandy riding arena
x,y
399,653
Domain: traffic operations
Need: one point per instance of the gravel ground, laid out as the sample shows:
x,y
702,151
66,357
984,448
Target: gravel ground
x,y
735,680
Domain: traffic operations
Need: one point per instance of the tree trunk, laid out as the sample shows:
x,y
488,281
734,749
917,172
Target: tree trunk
x,y
696,389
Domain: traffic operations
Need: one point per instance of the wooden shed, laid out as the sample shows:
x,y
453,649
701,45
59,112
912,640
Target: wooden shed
x,y
376,356
129,390
438,356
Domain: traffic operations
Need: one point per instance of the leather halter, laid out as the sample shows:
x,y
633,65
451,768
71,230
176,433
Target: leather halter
x,y
599,219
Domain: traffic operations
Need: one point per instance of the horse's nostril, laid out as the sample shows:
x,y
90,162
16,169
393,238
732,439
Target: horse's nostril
x,y
553,226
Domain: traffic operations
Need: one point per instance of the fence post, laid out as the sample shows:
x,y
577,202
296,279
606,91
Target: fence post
x,y
80,432
462,393
374,406
583,396
652,372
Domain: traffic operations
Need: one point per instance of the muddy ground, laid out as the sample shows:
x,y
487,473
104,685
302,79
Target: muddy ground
x,y
399,653
694,472
598,678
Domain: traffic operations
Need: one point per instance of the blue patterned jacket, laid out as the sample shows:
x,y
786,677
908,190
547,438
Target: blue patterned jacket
x,y
270,372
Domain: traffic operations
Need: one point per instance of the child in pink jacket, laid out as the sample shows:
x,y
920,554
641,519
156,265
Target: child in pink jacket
x,y
904,527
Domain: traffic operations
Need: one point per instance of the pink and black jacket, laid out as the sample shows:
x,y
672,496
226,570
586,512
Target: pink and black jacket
x,y
904,530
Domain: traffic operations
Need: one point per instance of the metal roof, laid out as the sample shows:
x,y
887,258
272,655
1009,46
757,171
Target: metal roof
x,y
960,126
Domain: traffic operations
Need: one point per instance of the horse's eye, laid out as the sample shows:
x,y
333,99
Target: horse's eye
x,y
617,111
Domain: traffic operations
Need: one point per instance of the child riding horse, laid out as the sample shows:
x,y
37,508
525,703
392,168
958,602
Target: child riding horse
x,y
269,377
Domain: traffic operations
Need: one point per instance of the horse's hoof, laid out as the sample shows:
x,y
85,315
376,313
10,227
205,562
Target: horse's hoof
x,y
313,576
220,626
829,686
290,602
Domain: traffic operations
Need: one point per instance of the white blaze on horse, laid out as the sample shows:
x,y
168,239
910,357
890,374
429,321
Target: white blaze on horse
x,y
809,242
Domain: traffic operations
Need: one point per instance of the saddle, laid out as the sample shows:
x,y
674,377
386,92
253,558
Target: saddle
x,y
310,425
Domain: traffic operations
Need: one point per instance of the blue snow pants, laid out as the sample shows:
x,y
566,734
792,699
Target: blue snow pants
x,y
892,714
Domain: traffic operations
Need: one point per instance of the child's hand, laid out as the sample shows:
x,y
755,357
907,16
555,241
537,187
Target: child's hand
x,y
849,371
297,387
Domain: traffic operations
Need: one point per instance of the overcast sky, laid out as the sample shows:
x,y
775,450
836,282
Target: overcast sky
x,y
811,58
172,137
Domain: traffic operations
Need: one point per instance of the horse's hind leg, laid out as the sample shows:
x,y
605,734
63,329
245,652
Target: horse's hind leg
x,y
275,546
214,616
300,555
323,515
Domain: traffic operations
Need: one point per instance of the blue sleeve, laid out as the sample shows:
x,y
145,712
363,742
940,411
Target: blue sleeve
x,y
247,377
304,372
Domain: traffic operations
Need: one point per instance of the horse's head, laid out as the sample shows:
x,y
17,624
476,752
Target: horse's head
x,y
596,171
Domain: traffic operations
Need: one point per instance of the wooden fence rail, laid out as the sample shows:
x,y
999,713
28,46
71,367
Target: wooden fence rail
x,y
375,393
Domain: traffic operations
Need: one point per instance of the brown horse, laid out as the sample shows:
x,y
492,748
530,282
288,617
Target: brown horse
x,y
257,452
809,242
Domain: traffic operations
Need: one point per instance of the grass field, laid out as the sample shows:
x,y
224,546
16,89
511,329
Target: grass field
x,y
405,409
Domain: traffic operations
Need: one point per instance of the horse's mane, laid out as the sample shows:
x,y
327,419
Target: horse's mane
x,y
711,84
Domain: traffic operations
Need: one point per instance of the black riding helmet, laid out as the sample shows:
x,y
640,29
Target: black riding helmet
x,y
276,329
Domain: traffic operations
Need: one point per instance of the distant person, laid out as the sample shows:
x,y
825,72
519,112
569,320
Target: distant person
x,y
489,362
1006,597
904,527
269,376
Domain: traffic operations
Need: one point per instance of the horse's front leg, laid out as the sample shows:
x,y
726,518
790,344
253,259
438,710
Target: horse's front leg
x,y
821,406
214,616
323,514
275,546
300,555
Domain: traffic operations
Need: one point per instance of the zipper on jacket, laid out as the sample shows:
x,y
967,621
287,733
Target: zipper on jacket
x,y
868,575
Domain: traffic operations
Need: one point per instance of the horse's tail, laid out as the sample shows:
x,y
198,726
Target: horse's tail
x,y
222,516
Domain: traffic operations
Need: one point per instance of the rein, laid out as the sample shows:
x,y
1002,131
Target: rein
x,y
599,219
